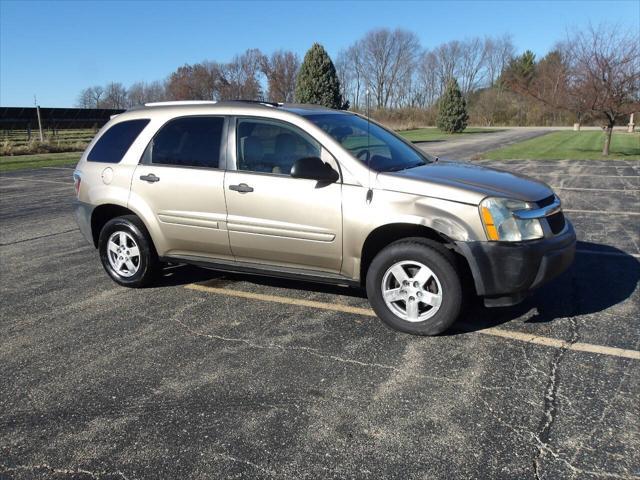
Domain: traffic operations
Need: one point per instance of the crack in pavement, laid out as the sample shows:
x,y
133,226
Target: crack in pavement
x,y
526,434
540,437
61,471
551,393
275,346
319,354
266,471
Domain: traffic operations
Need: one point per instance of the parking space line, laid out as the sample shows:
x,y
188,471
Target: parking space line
x,y
494,331
612,212
278,299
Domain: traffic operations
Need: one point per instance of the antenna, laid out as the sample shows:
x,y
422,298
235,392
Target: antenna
x,y
369,191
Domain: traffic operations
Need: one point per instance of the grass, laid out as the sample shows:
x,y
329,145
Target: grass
x,y
19,162
18,142
570,145
432,134
21,137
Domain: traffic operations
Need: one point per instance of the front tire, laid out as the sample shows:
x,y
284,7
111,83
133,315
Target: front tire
x,y
127,252
413,286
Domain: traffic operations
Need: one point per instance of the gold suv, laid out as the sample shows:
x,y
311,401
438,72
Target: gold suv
x,y
318,195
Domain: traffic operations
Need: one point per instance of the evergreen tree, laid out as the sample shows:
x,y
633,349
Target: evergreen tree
x,y
452,111
317,80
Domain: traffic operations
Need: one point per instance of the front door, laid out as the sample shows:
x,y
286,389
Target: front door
x,y
272,217
181,180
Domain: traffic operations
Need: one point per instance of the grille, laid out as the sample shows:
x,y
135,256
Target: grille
x,y
556,222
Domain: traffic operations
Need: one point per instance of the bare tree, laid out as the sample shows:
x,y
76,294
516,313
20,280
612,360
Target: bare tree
x,y
140,93
387,59
472,62
241,76
91,97
429,79
346,74
155,92
115,96
201,81
136,94
602,77
448,61
604,74
281,70
85,99
350,72
498,54
98,96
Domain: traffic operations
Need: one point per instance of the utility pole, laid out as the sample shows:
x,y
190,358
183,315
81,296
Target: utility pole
x,y
35,100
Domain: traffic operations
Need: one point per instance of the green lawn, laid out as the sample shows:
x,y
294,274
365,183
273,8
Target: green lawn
x,y
19,162
586,145
432,134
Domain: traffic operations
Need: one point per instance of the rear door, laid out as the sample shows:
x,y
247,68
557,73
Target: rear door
x,y
274,218
181,177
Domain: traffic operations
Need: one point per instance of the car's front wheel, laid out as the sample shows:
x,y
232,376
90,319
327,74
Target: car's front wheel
x,y
413,286
127,252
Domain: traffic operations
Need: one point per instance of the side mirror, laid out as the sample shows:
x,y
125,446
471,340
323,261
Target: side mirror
x,y
312,168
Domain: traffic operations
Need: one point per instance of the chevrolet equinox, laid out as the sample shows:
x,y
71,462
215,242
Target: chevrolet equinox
x,y
313,194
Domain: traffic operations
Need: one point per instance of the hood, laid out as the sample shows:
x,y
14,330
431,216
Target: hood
x,y
463,182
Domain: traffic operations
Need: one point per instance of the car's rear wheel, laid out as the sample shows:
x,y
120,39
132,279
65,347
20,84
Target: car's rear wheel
x,y
413,286
127,252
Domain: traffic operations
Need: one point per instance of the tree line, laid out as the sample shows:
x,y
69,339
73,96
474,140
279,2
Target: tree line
x,y
591,76
251,75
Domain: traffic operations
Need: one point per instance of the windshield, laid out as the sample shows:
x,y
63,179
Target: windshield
x,y
383,151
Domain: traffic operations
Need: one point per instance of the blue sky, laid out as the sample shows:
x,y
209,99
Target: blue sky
x,y
54,49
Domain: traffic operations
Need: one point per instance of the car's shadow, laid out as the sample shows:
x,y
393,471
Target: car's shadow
x,y
176,275
594,283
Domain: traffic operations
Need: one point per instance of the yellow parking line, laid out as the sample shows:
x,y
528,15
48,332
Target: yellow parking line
x,y
494,331
277,299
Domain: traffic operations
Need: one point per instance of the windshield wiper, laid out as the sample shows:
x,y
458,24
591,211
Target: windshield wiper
x,y
404,167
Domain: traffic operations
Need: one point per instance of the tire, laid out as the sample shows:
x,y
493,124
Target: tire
x,y
128,233
416,308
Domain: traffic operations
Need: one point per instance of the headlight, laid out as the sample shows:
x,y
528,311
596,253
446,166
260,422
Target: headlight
x,y
500,223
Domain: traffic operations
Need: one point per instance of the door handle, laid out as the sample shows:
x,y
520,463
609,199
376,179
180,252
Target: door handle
x,y
242,188
151,178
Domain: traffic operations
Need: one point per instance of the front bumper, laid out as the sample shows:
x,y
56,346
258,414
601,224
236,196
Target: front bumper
x,y
505,272
82,212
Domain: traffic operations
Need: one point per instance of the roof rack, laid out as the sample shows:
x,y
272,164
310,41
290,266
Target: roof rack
x,y
180,102
259,102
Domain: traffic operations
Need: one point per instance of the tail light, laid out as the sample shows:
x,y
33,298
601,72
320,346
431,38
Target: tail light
x,y
76,182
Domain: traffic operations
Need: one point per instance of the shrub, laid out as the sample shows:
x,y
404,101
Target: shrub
x,y
452,110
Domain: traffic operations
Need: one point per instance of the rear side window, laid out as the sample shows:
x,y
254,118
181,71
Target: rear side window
x,y
187,142
115,142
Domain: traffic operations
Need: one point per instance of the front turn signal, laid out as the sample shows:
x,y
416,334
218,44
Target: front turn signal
x,y
489,225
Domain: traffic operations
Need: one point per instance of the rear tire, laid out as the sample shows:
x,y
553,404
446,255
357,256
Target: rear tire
x,y
127,252
414,286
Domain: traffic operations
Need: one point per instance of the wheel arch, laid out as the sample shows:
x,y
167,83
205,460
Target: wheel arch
x,y
386,234
107,211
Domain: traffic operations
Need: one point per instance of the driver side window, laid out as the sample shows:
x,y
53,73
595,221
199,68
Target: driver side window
x,y
271,147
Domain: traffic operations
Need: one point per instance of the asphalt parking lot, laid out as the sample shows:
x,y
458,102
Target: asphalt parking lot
x,y
223,376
